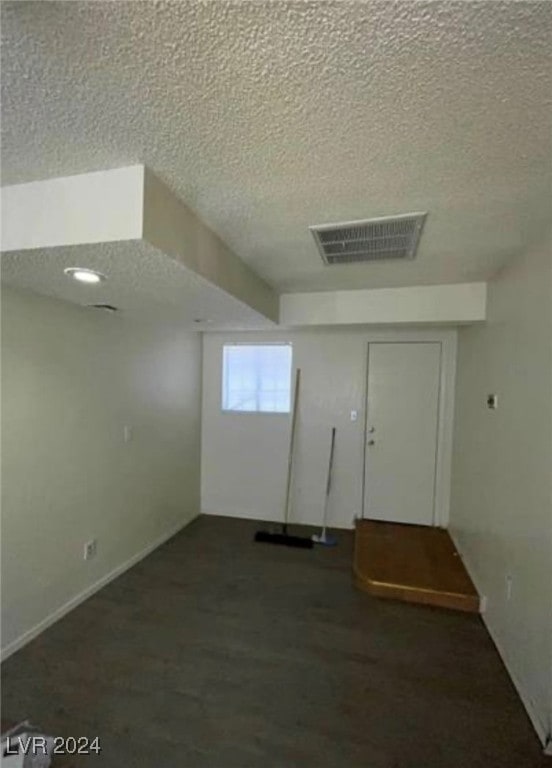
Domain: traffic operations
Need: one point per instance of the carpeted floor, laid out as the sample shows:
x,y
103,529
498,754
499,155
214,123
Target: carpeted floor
x,y
217,652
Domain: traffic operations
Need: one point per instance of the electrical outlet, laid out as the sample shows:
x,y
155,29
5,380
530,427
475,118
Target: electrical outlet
x,y
508,587
354,415
90,549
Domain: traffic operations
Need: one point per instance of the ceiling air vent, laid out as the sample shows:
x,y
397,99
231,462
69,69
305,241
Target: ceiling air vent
x,y
389,237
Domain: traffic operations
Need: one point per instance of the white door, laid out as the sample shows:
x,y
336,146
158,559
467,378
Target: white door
x,y
402,415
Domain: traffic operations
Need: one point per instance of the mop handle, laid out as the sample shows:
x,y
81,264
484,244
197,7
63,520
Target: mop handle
x,y
292,444
329,484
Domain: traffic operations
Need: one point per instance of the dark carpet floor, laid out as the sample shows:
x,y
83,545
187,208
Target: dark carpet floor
x,y
217,652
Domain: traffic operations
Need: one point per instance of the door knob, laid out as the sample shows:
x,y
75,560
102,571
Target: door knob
x,y
371,430
371,442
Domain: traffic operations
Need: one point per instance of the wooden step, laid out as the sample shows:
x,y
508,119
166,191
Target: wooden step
x,y
413,563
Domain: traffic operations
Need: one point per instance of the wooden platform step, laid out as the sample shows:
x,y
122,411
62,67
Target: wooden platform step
x,y
412,563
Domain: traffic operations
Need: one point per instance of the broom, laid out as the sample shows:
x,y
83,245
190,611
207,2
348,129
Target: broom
x,y
284,538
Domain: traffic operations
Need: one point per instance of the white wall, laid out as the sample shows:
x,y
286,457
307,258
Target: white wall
x,y
173,228
71,379
244,456
501,513
428,304
103,206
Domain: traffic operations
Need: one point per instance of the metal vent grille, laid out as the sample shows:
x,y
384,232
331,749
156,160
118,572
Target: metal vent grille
x,y
389,237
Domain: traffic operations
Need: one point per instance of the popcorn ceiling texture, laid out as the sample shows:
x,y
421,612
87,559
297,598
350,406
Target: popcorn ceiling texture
x,y
143,284
266,117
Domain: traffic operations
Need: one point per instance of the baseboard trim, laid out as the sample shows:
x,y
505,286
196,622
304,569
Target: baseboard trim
x,y
243,515
537,723
540,727
64,609
273,521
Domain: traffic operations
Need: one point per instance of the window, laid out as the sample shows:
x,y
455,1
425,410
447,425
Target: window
x,y
256,378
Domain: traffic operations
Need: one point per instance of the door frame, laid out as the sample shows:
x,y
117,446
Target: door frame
x,y
439,515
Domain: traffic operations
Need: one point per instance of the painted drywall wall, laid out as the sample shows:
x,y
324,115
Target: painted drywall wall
x,y
244,456
461,303
173,228
501,512
103,206
72,378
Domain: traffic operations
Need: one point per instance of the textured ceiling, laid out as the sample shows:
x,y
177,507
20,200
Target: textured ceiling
x,y
266,117
142,283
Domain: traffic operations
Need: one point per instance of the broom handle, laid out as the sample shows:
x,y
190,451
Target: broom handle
x,y
329,483
291,446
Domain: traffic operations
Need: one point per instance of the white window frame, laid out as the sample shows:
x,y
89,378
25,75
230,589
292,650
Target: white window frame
x,y
235,412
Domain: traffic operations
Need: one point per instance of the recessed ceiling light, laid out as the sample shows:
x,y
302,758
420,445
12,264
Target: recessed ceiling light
x,y
84,275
